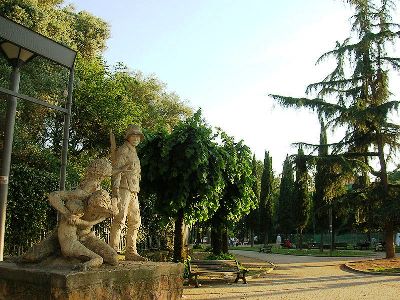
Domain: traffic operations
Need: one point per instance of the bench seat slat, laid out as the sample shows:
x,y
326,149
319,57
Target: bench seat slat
x,y
220,267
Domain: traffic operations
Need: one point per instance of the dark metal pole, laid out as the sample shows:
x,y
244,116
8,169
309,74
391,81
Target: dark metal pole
x,y
67,122
6,157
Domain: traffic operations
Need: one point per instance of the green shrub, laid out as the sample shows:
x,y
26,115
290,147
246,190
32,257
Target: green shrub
x,y
221,256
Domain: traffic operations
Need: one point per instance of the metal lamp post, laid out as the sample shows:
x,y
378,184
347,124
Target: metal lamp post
x,y
17,56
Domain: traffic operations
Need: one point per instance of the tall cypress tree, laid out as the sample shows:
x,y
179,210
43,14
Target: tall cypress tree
x,y
266,204
320,211
285,200
301,199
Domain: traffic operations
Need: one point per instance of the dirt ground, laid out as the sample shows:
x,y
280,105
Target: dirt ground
x,y
389,265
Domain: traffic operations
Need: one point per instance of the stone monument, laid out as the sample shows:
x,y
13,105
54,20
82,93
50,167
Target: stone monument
x,y
125,187
72,263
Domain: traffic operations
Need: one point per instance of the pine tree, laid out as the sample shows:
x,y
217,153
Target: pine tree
x,y
360,85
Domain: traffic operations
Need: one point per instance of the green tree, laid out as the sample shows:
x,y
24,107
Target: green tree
x,y
266,199
360,84
320,212
285,200
104,98
184,170
113,99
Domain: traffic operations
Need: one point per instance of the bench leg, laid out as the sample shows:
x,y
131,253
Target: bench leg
x,y
244,278
196,281
237,277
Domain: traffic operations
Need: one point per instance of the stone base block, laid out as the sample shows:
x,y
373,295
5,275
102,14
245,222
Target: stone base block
x,y
129,280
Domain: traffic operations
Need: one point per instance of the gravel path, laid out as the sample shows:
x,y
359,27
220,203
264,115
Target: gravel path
x,y
301,277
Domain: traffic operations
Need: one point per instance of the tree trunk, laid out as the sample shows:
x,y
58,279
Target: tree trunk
x,y
389,229
216,235
252,237
224,240
265,238
321,243
389,240
198,235
178,237
301,239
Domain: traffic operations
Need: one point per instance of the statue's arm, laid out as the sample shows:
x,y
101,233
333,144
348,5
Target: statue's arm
x,y
56,200
84,223
122,163
119,166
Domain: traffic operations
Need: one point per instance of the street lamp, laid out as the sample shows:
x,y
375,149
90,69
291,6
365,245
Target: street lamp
x,y
16,56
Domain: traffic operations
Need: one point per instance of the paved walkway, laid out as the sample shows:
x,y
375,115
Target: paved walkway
x,y
301,277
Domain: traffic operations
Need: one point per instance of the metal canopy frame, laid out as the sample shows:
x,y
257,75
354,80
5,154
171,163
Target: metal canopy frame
x,y
40,45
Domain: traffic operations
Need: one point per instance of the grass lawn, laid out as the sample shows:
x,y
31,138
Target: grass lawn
x,y
386,270
310,252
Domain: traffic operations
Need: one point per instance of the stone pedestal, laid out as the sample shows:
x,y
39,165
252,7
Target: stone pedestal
x,y
130,280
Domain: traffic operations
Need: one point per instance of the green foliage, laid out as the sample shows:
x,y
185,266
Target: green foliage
x,y
183,169
237,197
252,220
221,256
29,215
78,30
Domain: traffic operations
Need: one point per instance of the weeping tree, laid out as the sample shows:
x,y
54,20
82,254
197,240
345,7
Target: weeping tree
x,y
183,170
237,196
359,100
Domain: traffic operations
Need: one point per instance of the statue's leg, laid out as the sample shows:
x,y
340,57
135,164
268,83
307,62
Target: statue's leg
x,y
100,247
43,249
118,221
77,250
133,228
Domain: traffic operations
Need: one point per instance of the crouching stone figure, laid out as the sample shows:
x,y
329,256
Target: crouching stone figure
x,y
80,210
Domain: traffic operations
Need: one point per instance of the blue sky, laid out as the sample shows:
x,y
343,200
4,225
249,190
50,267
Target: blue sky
x,y
226,56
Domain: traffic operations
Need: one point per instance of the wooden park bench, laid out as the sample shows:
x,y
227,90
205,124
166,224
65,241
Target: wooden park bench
x,y
266,249
220,267
362,245
342,246
313,246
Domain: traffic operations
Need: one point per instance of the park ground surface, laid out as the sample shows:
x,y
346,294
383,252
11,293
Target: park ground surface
x,y
300,277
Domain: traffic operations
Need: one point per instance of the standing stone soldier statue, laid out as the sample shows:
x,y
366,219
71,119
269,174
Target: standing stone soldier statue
x,y
125,187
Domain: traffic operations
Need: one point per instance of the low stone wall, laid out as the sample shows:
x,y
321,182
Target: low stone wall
x,y
130,280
